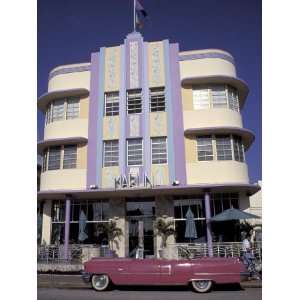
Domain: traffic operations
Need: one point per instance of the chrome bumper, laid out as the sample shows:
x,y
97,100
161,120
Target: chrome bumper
x,y
86,277
244,276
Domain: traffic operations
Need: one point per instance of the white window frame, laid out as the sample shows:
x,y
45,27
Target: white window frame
x,y
67,160
231,148
62,111
76,110
166,152
205,155
238,148
111,162
157,99
137,91
49,152
127,153
115,98
215,100
198,103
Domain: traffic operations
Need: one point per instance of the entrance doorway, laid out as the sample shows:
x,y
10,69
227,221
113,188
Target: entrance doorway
x,y
140,216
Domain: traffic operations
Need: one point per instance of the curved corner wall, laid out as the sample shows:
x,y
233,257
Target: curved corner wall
x,y
66,129
73,179
217,172
206,63
69,77
211,118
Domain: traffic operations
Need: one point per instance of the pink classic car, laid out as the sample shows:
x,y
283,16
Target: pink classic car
x,y
200,273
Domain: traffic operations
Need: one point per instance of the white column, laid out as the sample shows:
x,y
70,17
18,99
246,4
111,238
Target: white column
x,y
118,215
46,228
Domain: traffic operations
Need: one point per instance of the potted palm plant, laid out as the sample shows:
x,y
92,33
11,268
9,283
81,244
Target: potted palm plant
x,y
164,229
113,235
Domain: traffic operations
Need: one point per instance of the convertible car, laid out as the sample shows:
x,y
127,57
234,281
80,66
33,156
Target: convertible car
x,y
200,273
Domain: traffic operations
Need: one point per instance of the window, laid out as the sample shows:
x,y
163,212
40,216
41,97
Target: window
x,y
96,213
58,110
54,158
72,108
111,104
201,98
238,148
135,152
219,99
204,148
70,157
111,153
157,99
44,161
224,151
159,150
233,99
222,201
134,102
181,206
48,113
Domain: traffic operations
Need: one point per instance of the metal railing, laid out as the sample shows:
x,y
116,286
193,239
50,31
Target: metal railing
x,y
229,249
76,253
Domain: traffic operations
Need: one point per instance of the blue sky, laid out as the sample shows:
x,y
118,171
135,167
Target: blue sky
x,y
70,30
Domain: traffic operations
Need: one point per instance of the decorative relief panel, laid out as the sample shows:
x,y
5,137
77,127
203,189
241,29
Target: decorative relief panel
x,y
134,65
108,178
158,124
134,125
156,70
111,128
111,69
159,177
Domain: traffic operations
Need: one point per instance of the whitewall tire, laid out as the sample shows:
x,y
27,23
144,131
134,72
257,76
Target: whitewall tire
x,y
100,282
201,286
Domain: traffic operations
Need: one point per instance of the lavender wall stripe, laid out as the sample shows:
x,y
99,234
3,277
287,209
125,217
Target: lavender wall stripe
x,y
168,95
100,99
179,149
206,55
122,142
146,113
69,70
93,116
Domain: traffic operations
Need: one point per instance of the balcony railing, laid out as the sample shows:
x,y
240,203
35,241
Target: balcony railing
x,y
229,249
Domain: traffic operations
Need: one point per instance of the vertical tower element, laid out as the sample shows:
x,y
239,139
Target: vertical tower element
x,y
176,152
94,162
178,139
93,116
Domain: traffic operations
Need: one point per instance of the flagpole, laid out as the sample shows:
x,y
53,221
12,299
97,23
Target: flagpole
x,y
134,15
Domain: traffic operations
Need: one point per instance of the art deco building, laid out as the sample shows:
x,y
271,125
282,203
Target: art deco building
x,y
141,131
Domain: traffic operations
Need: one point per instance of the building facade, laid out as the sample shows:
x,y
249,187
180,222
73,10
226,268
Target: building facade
x,y
143,131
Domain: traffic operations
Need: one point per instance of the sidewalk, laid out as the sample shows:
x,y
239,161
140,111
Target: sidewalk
x,y
75,282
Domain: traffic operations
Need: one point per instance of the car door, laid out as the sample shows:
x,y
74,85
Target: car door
x,y
175,271
140,272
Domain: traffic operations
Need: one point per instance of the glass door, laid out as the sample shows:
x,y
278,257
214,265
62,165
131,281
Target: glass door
x,y
140,216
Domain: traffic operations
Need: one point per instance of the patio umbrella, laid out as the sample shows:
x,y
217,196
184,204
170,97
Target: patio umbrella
x,y
233,214
190,226
82,224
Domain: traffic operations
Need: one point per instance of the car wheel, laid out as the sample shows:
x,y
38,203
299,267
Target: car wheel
x,y
100,282
202,286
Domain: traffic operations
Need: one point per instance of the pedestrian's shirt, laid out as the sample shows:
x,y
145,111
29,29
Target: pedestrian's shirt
x,y
246,245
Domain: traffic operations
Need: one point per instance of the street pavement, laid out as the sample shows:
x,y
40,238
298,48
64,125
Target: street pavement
x,y
149,293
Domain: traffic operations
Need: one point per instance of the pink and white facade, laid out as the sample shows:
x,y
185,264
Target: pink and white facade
x,y
139,132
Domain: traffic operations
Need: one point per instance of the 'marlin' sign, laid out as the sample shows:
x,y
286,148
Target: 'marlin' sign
x,y
132,181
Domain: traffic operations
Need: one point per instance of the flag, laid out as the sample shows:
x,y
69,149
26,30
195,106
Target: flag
x,y
140,8
140,14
